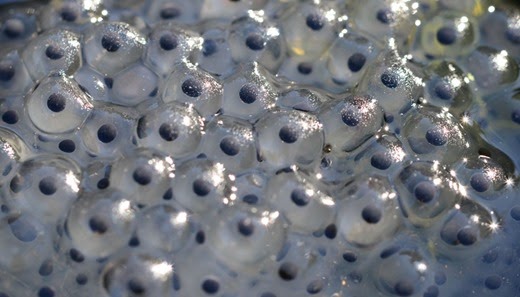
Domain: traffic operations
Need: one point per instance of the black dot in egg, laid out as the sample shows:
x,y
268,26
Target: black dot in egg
x,y
192,87
515,116
403,288
81,279
493,282
14,28
111,42
107,133
103,183
425,191
315,21
288,271
46,292
267,294
136,286
10,117
371,214
76,256
200,237
350,117
46,268
7,71
169,12
22,229
444,91
288,134
299,197
56,102
248,93
436,136
16,184
467,236
209,47
515,212
168,132
255,42
97,225
431,291
490,256
250,199
246,227
168,195
142,175
349,256
440,278
168,42
331,231
447,35
134,242
390,79
315,287
48,185
381,160
513,35
384,16
67,146
305,68
210,286
201,187
69,13
229,146
109,82
356,62
479,182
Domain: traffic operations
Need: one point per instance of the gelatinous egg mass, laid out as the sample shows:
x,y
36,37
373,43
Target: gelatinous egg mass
x,y
259,148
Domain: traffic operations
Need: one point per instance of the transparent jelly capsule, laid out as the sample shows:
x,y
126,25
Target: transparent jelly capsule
x,y
107,133
176,10
143,176
190,85
385,155
249,93
57,105
300,200
246,240
164,227
134,85
173,128
448,87
101,223
45,187
139,272
348,123
368,213
500,27
426,192
435,135
449,34
12,148
289,137
202,185
492,69
301,99
232,142
96,85
254,38
168,44
111,47
55,51
393,82
70,13
14,77
214,55
229,9
17,26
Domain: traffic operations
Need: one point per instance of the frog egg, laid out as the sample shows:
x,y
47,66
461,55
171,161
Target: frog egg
x,y
134,85
385,155
97,86
282,131
504,22
369,211
176,11
249,93
25,242
164,227
435,135
250,188
57,105
12,148
426,192
56,51
296,195
348,123
309,21
44,187
69,13
449,34
100,223
106,133
391,81
201,185
229,9
300,69
173,128
111,47
230,141
247,239
143,176
135,273
448,87
253,38
347,59
301,99
14,77
169,44
492,69
214,55
190,85
17,26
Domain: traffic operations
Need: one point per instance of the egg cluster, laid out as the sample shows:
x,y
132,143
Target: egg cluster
x,y
259,148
